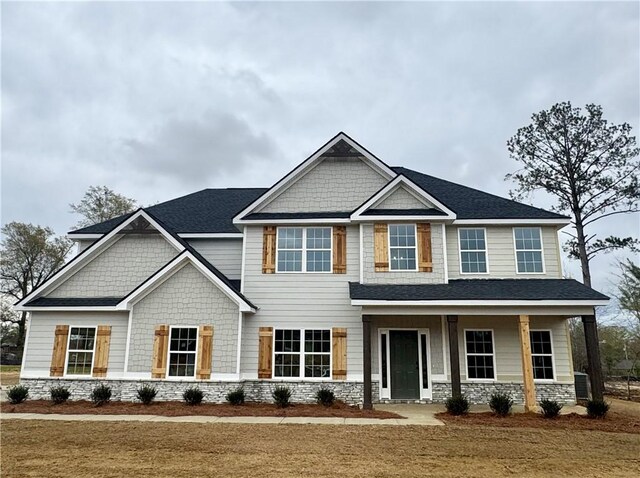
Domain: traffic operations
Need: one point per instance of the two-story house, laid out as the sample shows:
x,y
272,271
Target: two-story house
x,y
379,282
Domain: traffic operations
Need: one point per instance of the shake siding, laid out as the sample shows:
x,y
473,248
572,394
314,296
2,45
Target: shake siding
x,y
402,199
300,300
502,257
42,327
224,254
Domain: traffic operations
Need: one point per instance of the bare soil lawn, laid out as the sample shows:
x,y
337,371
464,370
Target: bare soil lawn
x,y
9,374
176,409
113,449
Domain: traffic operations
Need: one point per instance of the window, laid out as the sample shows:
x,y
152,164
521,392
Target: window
x,y
182,351
473,251
304,249
541,354
479,347
81,347
528,250
402,247
315,354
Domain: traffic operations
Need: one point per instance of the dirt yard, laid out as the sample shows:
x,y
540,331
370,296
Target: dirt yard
x,y
102,449
9,374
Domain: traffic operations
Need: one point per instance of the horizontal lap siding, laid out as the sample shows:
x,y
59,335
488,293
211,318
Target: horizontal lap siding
x,y
224,254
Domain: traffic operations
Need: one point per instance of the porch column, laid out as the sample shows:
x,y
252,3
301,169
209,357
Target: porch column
x,y
366,357
527,366
454,356
594,364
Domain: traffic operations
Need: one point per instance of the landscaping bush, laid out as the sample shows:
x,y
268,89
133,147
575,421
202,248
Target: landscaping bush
x,y
236,396
146,394
325,396
597,408
457,405
101,395
193,396
18,394
500,404
281,396
550,408
59,394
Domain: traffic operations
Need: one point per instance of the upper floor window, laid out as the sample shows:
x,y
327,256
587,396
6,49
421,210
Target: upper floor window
x,y
82,341
528,244
473,251
402,247
304,249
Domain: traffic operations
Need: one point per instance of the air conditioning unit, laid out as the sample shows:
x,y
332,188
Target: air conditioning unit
x,y
581,381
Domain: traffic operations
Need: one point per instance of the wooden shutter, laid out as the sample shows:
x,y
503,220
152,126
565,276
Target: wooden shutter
x,y
59,355
339,354
269,250
205,352
381,247
101,359
425,262
160,348
339,249
265,352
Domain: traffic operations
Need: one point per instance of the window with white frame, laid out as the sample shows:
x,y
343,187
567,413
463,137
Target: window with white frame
x,y
541,354
473,251
311,359
82,341
479,349
182,351
304,249
402,247
528,243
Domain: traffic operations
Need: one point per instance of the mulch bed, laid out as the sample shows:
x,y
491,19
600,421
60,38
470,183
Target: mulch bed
x,y
614,422
177,409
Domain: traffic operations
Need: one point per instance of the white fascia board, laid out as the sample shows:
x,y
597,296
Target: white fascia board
x,y
387,218
327,220
211,235
498,222
81,237
307,164
476,303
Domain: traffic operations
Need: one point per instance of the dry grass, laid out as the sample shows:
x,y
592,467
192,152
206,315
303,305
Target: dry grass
x,y
9,374
109,449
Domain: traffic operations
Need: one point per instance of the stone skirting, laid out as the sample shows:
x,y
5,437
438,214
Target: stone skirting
x,y
481,392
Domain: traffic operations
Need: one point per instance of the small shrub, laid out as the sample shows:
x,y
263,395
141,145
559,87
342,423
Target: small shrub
x,y
457,405
550,408
193,396
101,395
325,396
597,408
281,396
59,394
146,394
500,404
236,396
18,394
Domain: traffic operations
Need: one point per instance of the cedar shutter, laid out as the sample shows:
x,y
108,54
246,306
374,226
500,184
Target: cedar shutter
x,y
425,261
339,249
265,349
339,354
381,247
101,359
269,250
205,351
59,355
160,347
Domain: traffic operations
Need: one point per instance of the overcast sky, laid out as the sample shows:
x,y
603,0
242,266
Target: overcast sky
x,y
160,100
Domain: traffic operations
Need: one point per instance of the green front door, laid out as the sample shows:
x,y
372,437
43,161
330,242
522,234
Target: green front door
x,y
405,372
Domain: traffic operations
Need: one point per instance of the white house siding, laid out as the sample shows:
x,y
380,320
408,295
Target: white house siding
x,y
119,269
404,277
336,184
402,199
300,300
187,298
224,254
42,327
502,256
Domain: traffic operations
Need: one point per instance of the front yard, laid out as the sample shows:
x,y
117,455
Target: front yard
x,y
9,374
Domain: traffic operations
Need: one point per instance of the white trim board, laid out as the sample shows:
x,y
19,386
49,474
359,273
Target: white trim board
x,y
479,303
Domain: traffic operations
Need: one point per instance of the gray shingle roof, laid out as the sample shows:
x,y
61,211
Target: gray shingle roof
x,y
74,302
479,289
404,212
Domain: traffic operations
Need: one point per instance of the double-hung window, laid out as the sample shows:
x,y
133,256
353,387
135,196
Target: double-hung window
x,y
541,354
302,353
82,341
480,354
305,249
182,351
473,251
528,243
402,247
